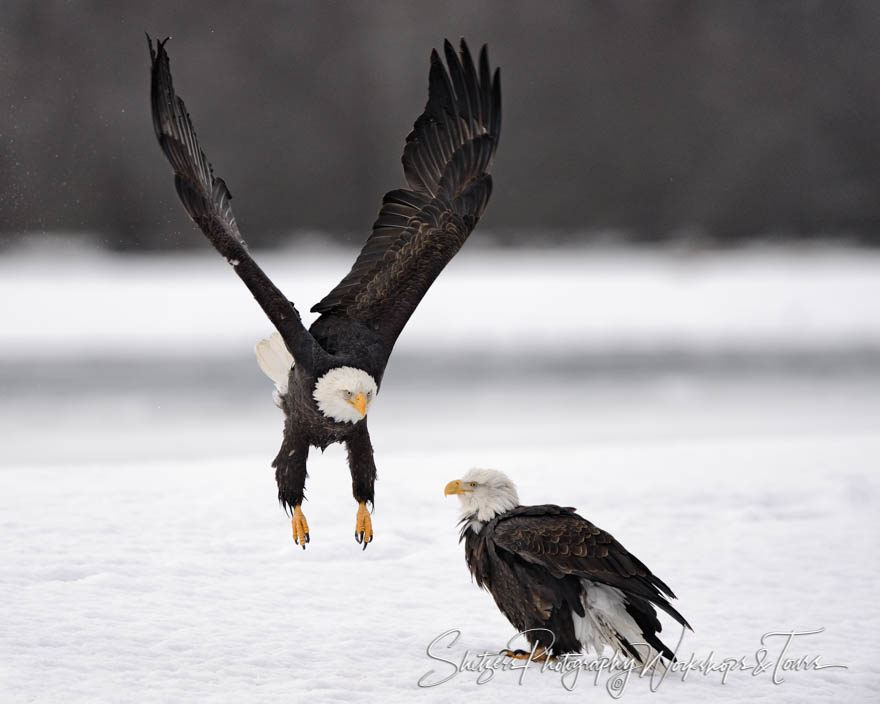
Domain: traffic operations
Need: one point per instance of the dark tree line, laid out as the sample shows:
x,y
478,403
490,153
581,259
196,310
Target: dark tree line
x,y
710,118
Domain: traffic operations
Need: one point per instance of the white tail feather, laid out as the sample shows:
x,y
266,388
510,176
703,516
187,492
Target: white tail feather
x,y
605,617
275,360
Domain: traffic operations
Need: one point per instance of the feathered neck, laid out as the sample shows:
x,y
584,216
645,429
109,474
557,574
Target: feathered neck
x,y
469,523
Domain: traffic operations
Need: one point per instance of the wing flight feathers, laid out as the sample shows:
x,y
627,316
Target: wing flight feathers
x,y
446,161
207,200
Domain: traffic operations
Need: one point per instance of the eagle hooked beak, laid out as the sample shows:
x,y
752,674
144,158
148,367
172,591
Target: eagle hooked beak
x,y
455,487
360,403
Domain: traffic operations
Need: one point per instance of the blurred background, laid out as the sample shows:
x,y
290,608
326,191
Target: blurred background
x,y
684,215
705,120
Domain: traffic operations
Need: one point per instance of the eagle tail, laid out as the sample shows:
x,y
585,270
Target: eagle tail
x,y
625,623
645,618
275,360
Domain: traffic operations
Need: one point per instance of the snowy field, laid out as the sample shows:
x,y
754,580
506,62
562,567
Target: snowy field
x,y
718,414
488,302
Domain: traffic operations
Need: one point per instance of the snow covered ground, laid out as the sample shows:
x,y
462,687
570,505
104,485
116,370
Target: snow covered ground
x,y
719,414
503,302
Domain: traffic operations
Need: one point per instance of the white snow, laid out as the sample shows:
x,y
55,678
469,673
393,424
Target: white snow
x,y
144,557
510,301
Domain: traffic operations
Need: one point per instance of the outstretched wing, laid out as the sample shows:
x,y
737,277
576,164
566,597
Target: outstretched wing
x,y
565,543
446,161
207,200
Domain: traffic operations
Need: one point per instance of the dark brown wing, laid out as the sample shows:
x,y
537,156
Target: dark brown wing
x,y
565,543
446,162
207,200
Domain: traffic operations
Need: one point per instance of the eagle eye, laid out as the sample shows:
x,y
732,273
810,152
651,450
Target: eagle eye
x,y
347,394
473,485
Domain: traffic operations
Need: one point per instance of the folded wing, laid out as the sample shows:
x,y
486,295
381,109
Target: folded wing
x,y
565,543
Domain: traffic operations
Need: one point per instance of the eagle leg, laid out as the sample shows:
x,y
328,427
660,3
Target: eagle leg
x,y
363,526
300,527
540,654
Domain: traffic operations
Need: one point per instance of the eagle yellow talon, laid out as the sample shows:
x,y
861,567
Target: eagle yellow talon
x,y
363,526
300,527
540,654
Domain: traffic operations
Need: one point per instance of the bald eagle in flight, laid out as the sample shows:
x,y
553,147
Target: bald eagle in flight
x,y
328,375
567,584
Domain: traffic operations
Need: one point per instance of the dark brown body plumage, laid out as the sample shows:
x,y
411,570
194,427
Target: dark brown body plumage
x,y
533,560
419,229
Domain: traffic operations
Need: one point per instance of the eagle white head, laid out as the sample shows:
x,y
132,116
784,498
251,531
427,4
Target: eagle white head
x,y
345,394
484,493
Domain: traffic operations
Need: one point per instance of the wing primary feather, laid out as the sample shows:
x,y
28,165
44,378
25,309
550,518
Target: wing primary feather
x,y
456,74
472,83
495,124
485,80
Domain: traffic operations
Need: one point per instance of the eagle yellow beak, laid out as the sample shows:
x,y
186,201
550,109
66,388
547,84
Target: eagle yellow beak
x,y
455,487
360,402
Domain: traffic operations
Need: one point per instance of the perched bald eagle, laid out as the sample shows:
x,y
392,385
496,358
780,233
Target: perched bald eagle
x,y
566,583
327,376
